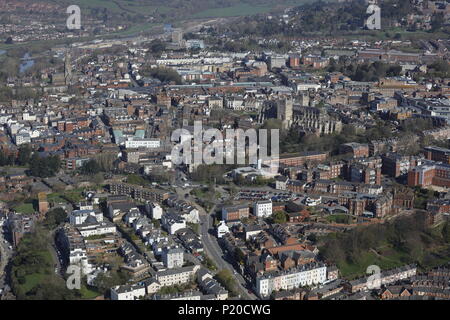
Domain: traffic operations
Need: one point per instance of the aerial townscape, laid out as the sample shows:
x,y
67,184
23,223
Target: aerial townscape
x,y
352,204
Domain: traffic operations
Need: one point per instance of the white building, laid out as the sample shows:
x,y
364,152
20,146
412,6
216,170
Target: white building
x,y
22,138
195,44
154,210
172,223
173,257
26,116
262,209
306,275
86,205
281,183
78,217
78,257
132,216
142,143
93,228
305,86
311,201
222,229
187,211
128,292
190,215
171,277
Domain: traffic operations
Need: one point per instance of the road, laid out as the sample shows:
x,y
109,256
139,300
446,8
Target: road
x,y
210,244
5,255
56,254
214,251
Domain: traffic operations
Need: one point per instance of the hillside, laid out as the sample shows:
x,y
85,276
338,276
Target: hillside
x,y
170,9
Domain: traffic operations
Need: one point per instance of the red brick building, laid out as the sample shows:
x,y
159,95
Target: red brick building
x,y
358,150
430,173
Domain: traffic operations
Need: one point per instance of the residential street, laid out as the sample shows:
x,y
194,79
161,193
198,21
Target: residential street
x,y
5,255
214,251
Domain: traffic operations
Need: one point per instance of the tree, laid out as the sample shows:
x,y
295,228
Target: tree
x,y
97,179
24,155
239,255
163,74
105,281
6,159
136,179
446,232
225,277
44,167
55,217
51,288
437,21
157,47
279,217
90,167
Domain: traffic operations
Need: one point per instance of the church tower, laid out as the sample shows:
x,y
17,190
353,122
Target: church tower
x,y
285,111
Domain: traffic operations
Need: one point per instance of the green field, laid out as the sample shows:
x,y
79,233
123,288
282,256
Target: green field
x,y
56,198
235,11
119,6
108,4
25,208
388,261
339,218
32,280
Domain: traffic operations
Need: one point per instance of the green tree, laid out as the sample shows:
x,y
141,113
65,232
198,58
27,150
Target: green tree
x,y
446,232
157,47
24,155
163,74
279,217
54,218
136,179
90,167
44,167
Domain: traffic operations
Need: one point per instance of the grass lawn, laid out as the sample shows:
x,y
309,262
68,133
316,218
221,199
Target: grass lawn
x,y
32,280
72,196
339,218
25,208
56,198
87,293
390,259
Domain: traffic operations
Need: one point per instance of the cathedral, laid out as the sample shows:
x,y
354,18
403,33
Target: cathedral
x,y
300,115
